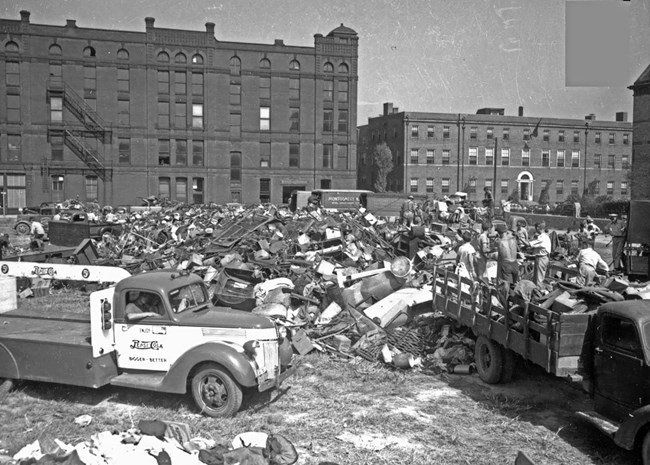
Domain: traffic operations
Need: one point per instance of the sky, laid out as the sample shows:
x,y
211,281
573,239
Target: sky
x,y
446,56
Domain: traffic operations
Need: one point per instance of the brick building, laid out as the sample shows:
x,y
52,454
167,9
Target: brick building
x,y
641,141
111,115
530,153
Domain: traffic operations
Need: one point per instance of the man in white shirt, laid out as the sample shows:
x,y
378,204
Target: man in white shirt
x,y
467,254
588,262
37,229
541,246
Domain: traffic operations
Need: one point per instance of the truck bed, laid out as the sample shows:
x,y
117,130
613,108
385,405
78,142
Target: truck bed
x,y
555,341
51,348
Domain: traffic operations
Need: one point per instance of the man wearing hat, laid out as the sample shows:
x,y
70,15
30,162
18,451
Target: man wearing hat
x,y
408,211
618,231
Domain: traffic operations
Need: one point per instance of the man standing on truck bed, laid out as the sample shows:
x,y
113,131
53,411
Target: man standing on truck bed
x,y
589,261
542,249
507,266
618,230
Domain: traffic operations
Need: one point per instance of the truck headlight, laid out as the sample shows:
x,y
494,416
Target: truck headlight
x,y
282,332
250,348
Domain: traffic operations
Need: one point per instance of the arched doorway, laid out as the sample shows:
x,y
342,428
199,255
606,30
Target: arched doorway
x,y
525,182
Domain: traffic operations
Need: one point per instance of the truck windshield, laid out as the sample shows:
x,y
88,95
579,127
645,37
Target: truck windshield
x,y
187,297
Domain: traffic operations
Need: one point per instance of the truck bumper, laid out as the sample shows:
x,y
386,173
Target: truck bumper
x,y
277,380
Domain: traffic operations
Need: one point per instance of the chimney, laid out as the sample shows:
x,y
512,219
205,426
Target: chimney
x,y
278,42
24,16
148,21
70,23
388,108
591,117
521,111
621,116
209,28
395,110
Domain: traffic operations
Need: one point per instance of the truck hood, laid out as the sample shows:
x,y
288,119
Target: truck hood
x,y
224,317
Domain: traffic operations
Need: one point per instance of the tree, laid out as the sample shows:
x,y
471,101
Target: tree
x,y
382,159
543,196
514,196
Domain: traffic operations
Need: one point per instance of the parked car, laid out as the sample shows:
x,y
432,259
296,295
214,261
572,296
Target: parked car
x,y
564,209
515,207
43,214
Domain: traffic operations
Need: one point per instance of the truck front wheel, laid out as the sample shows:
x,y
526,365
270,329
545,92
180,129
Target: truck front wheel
x,y
215,392
489,360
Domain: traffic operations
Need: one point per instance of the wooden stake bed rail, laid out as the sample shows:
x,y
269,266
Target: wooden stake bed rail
x,y
547,338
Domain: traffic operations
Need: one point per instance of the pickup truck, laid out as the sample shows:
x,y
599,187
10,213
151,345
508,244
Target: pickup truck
x,y
608,350
71,232
186,344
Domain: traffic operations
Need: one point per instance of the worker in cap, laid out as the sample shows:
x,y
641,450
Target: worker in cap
x,y
618,230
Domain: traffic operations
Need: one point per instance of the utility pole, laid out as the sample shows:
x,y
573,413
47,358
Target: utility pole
x,y
584,167
462,157
458,156
494,182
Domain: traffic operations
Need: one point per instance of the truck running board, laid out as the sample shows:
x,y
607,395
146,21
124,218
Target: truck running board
x,y
602,423
148,381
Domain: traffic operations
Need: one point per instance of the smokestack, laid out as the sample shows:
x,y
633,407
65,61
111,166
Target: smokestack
x,y
70,23
388,108
24,16
209,28
591,117
521,111
621,116
148,21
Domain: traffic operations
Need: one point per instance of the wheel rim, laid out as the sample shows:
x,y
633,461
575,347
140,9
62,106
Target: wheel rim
x,y
22,229
486,357
213,392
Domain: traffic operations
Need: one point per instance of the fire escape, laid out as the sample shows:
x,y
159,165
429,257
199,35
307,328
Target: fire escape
x,y
92,125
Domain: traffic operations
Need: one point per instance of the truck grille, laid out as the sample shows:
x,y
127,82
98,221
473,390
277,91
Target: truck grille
x,y
268,358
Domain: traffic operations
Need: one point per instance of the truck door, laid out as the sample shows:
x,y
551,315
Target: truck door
x,y
619,367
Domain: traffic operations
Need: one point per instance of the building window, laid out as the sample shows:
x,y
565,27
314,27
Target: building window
x,y
123,113
473,132
197,191
163,152
89,52
90,78
328,91
610,187
506,133
490,133
181,190
597,160
163,82
445,132
430,132
343,68
197,115
197,59
574,187
414,185
504,186
546,158
58,188
526,134
56,109
294,88
180,83
235,167
328,123
123,80
559,187
235,93
197,152
13,74
265,190
626,139
472,186
343,121
180,115
611,161
611,138
560,136
473,155
181,152
124,148
488,183
560,159
445,157
429,185
57,147
576,136
625,162
505,157
342,157
546,135
122,54
343,92
623,187
91,189
597,138
430,157
12,47
575,158
163,57
444,186
294,119
525,157
328,156
235,66
265,154
163,188
197,83
265,63
414,157
13,108
294,65
294,155
489,156
13,148
265,118
265,87
415,131
55,50
328,67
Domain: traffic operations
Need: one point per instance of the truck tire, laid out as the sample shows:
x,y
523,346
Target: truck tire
x,y
5,387
489,360
215,392
22,229
509,363
645,449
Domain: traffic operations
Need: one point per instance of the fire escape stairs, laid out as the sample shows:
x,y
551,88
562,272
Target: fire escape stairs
x,y
94,123
88,155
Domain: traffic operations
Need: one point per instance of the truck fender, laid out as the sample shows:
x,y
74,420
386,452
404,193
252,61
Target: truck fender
x,y
8,365
626,436
215,352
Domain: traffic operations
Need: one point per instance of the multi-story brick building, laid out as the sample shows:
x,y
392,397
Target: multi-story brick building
x,y
641,140
111,115
530,153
